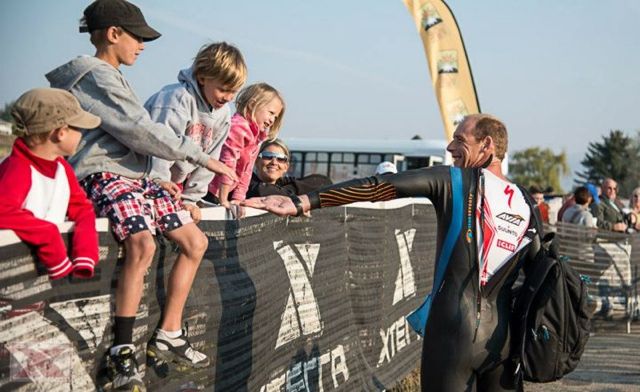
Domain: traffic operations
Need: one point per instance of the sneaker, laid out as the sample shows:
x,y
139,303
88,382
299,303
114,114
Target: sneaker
x,y
175,350
122,369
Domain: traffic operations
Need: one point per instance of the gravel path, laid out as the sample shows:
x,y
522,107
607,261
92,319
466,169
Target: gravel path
x,y
611,362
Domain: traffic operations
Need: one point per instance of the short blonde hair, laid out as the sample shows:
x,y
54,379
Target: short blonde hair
x,y
222,62
488,125
256,96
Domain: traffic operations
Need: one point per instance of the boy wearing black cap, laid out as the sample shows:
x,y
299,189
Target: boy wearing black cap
x,y
114,164
39,188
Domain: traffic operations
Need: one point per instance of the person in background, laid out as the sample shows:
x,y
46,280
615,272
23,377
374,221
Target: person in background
x,y
259,113
269,176
386,167
39,187
569,200
579,213
634,206
543,207
609,213
198,107
113,163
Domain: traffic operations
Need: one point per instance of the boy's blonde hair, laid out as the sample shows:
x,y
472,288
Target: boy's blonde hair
x,y
222,62
256,96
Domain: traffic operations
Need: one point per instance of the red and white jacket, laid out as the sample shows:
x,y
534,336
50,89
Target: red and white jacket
x,y
36,195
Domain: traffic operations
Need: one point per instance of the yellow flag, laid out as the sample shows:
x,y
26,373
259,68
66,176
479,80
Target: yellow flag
x,y
447,59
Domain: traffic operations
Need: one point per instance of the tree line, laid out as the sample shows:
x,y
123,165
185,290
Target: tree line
x,y
616,155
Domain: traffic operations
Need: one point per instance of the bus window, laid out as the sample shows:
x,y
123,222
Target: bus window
x,y
348,157
416,162
375,159
296,165
323,157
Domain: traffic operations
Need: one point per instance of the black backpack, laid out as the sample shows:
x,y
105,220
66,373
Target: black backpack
x,y
551,317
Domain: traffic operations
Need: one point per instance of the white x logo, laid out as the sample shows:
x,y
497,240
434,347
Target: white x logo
x,y
301,315
405,281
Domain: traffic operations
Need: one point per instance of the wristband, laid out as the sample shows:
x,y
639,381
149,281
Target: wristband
x,y
298,203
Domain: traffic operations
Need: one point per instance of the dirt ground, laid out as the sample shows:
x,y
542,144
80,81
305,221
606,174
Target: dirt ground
x,y
611,363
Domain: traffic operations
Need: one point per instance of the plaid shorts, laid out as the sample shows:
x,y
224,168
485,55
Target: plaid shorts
x,y
134,205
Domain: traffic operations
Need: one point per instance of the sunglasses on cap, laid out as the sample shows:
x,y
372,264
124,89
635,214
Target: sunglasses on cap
x,y
268,155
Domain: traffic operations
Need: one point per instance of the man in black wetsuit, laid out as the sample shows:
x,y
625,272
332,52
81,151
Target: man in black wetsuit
x,y
484,231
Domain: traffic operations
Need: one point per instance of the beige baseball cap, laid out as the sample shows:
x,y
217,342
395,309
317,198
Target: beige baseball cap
x,y
44,109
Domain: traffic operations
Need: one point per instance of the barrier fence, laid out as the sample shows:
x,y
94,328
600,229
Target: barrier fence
x,y
278,304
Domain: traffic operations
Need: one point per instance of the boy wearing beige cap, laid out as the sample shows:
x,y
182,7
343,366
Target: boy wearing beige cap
x,y
113,164
39,187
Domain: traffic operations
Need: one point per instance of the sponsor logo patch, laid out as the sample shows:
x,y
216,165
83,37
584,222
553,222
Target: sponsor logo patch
x,y
511,218
506,245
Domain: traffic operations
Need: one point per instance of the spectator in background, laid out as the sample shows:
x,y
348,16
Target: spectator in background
x,y
569,201
634,205
386,167
579,214
269,176
609,212
538,196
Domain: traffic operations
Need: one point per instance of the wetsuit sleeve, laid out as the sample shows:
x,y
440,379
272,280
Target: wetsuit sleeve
x,y
428,182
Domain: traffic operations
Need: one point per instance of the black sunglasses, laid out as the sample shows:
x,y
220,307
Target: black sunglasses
x,y
268,155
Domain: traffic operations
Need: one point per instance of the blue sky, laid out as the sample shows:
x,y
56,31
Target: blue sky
x,y
561,74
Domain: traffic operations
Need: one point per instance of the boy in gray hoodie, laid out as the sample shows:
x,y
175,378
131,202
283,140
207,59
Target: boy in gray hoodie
x,y
197,107
114,163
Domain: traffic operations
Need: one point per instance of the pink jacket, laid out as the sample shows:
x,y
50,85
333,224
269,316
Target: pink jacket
x,y
239,152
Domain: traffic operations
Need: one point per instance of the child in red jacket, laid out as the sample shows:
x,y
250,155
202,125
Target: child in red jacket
x,y
39,187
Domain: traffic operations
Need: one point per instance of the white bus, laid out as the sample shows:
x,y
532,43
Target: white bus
x,y
343,159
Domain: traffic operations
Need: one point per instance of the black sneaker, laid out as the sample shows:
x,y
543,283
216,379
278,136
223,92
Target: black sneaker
x,y
122,370
177,351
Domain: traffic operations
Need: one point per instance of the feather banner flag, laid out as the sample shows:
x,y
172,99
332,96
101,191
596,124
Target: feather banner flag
x,y
447,58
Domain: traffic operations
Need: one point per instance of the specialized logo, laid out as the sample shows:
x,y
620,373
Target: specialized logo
x,y
301,315
509,192
513,219
405,281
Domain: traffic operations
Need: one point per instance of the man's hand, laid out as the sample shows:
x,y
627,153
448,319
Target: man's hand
x,y
220,168
620,226
277,204
172,188
193,209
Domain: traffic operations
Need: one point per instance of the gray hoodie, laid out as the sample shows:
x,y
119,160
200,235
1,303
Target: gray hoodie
x,y
127,137
181,107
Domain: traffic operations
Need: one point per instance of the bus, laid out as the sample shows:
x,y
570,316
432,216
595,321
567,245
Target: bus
x,y
344,159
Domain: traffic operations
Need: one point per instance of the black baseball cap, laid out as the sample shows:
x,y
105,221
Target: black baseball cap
x,y
105,13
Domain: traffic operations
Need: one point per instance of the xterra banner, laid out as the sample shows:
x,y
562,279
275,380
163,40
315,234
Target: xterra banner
x,y
278,304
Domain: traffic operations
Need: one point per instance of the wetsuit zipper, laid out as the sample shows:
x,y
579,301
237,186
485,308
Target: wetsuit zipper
x,y
471,207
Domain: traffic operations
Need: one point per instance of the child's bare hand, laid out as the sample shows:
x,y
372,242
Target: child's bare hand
x,y
193,209
221,169
237,209
172,188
